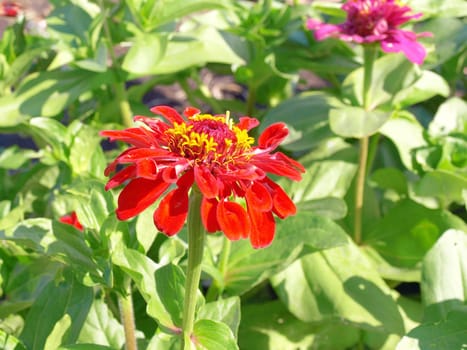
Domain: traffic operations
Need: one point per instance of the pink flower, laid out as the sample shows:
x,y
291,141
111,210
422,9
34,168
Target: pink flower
x,y
371,21
168,157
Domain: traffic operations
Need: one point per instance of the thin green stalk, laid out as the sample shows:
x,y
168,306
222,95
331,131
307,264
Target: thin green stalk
x,y
369,58
196,237
125,305
119,86
251,101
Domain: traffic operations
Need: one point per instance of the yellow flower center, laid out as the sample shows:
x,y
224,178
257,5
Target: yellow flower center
x,y
208,138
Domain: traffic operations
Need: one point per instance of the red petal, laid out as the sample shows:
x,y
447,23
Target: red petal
x,y
138,195
139,153
247,123
206,182
282,204
121,177
146,168
191,111
259,197
186,180
279,164
233,220
169,113
172,212
134,136
273,135
209,214
263,227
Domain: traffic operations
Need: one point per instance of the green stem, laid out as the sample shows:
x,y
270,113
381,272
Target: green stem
x,y
369,58
369,55
196,237
125,304
119,86
251,101
360,189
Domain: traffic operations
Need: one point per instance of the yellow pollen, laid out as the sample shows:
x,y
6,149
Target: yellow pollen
x,y
197,141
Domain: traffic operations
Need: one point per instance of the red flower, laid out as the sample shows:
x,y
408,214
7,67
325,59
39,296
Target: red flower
x,y
71,219
215,154
9,9
371,21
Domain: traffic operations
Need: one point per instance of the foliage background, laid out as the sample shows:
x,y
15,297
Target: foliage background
x,y
97,63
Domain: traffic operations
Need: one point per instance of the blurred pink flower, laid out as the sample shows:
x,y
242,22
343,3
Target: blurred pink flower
x,y
371,21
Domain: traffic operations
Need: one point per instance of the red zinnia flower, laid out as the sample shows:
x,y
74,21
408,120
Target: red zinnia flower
x,y
219,157
371,21
9,9
71,219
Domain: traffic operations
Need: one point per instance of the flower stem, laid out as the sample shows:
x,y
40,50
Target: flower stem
x,y
125,304
368,60
251,100
196,237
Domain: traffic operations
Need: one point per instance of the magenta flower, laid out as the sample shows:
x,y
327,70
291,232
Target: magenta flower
x,y
370,21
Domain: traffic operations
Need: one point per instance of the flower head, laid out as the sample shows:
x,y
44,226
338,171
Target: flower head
x,y
371,21
9,9
72,219
218,156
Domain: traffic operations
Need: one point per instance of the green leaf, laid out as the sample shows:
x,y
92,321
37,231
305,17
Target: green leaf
x,y
408,231
247,267
269,325
101,327
48,93
14,157
223,310
212,335
391,74
145,232
339,283
9,342
453,8
356,122
35,234
450,36
445,185
202,45
146,51
428,85
330,207
84,147
68,299
450,117
53,134
162,287
406,133
447,334
152,14
390,178
85,347
170,287
25,283
444,275
10,114
327,176
306,116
